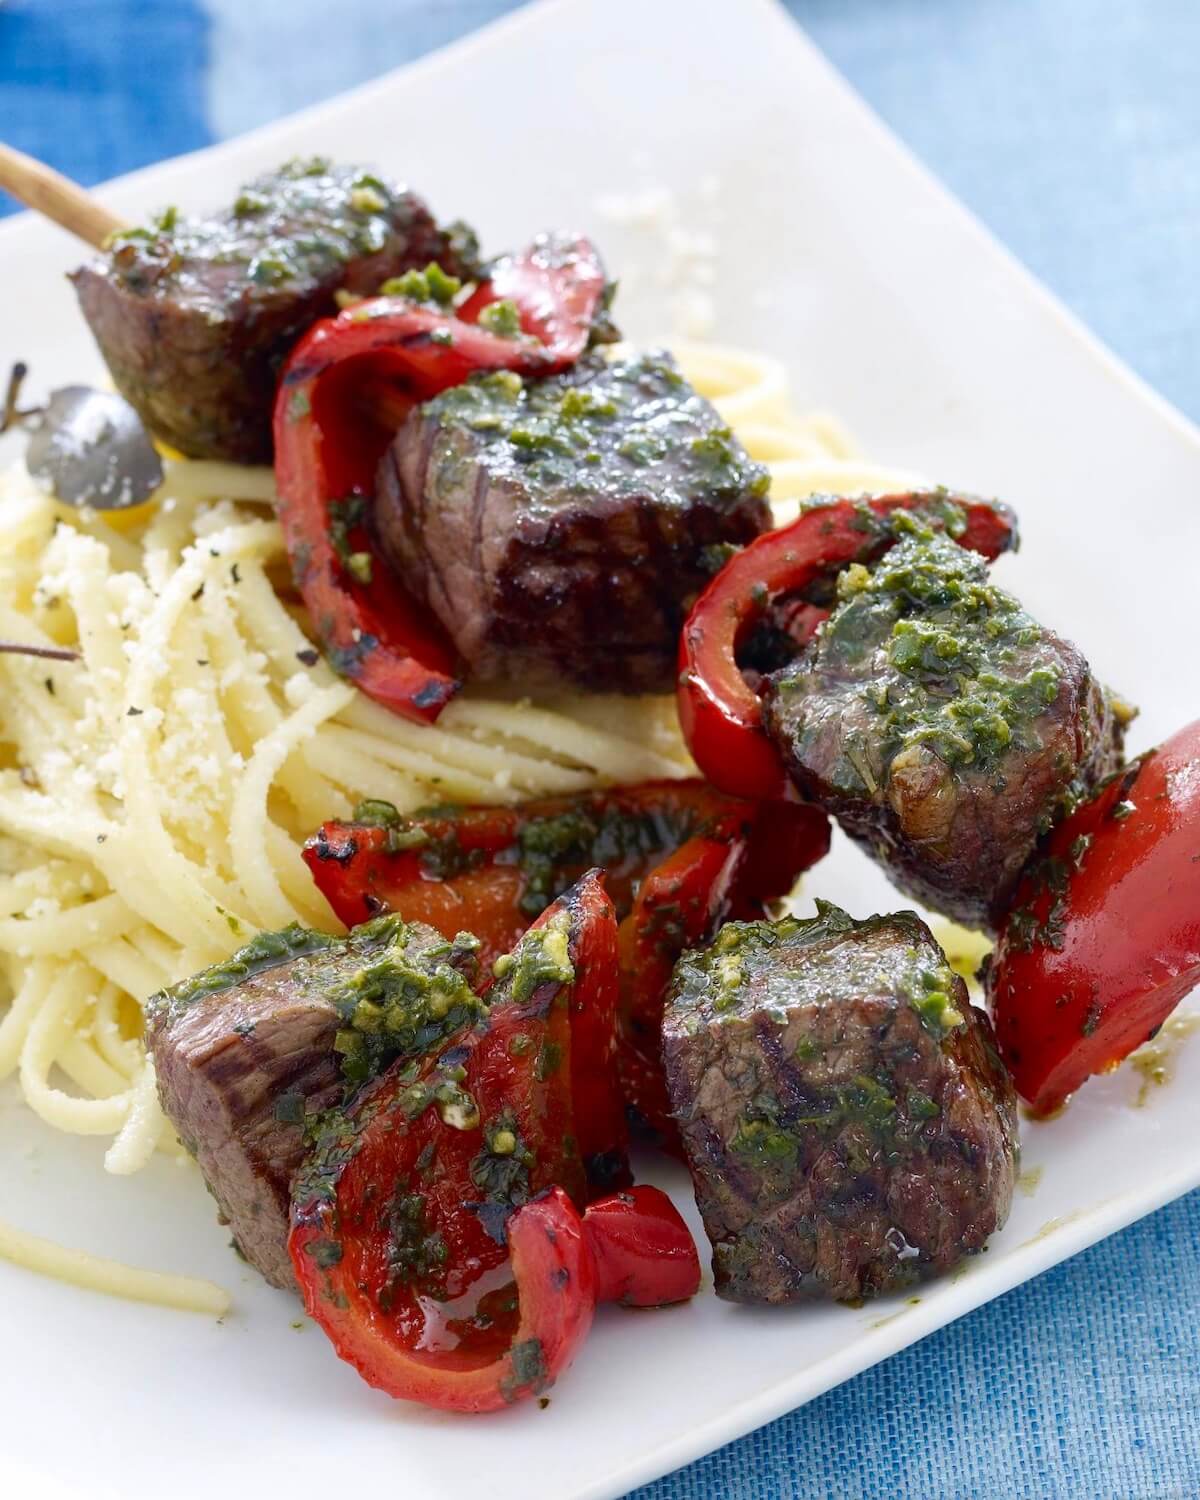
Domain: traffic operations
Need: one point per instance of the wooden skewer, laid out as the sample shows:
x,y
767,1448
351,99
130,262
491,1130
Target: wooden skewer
x,y
48,192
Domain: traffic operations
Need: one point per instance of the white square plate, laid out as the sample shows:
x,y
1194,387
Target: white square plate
x,y
890,306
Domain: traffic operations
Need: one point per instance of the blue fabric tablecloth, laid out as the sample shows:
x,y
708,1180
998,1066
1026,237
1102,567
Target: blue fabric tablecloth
x,y
1073,128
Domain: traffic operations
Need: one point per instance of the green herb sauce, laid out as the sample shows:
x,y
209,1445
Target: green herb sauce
x,y
542,957
966,671
502,319
771,967
432,285
267,950
501,1170
551,851
415,1253
289,230
529,1370
627,428
398,989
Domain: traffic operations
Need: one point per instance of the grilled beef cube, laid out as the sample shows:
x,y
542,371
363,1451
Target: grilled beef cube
x,y
195,316
561,528
849,1125
248,1051
943,727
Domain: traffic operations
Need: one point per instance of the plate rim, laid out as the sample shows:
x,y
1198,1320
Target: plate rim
x,y
1047,1248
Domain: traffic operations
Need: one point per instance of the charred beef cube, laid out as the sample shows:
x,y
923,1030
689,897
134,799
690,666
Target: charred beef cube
x,y
942,726
561,528
194,316
249,1051
849,1125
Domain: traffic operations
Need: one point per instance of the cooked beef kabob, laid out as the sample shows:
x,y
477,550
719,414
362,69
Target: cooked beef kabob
x,y
542,518
944,727
526,512
561,528
849,1125
194,316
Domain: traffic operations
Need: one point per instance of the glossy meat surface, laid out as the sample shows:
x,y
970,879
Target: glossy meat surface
x,y
944,727
848,1123
250,1051
560,529
194,316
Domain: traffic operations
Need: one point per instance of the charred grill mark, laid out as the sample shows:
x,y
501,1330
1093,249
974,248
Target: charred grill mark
x,y
300,374
436,693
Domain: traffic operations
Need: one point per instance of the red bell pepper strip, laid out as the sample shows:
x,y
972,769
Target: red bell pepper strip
x,y
681,903
492,869
401,1216
328,443
557,286
719,710
435,1234
1103,939
644,1253
601,1131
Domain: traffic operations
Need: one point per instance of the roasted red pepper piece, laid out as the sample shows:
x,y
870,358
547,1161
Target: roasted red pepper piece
x,y
558,286
483,867
386,354
719,710
600,1125
1103,938
405,1213
553,1285
681,903
644,1253
460,869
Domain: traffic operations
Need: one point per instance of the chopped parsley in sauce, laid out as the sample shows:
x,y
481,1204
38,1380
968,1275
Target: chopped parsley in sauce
x,y
954,663
287,230
619,428
399,990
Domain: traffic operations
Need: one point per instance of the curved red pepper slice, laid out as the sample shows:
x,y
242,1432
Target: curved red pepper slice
x,y
465,867
719,711
554,1281
1103,937
403,1217
385,355
644,1253
601,1130
681,903
557,285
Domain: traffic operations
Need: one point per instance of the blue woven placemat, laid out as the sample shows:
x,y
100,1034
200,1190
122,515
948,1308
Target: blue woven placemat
x,y
1073,128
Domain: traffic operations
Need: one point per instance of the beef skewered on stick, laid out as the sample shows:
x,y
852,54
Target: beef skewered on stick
x,y
194,316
